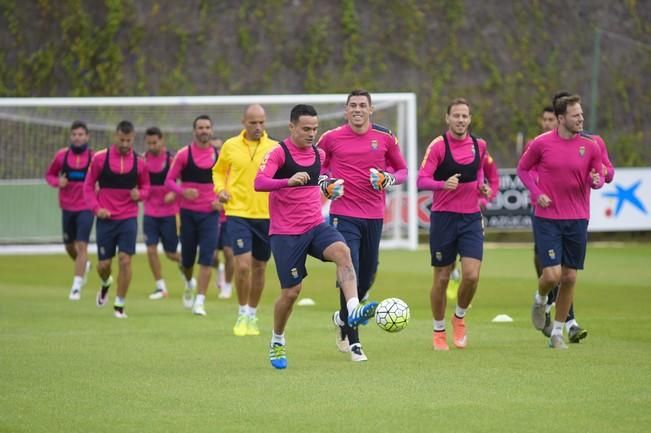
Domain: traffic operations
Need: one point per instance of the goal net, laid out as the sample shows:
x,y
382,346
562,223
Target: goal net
x,y
33,129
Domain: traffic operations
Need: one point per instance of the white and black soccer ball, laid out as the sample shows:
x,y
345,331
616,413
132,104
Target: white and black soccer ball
x,y
392,315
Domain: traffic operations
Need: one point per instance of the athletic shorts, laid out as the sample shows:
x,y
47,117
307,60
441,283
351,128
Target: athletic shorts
x,y
224,240
199,230
249,235
161,229
112,234
560,242
290,252
452,233
363,238
76,225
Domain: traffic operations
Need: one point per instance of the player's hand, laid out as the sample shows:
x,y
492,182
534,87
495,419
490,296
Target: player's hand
x,y
298,179
135,194
190,193
223,196
169,197
595,177
63,181
331,188
543,200
452,183
485,190
103,214
381,179
217,205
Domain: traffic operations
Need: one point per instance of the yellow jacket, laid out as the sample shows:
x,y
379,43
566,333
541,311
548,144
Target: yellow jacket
x,y
235,171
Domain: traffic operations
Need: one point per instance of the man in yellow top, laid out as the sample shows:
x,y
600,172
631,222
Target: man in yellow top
x,y
247,212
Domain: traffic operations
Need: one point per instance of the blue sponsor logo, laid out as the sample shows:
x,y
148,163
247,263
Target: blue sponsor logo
x,y
623,195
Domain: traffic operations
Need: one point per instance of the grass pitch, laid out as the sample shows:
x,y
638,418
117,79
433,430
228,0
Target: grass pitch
x,y
70,367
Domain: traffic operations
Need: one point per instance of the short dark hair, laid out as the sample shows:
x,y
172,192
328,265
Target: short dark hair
x,y
301,110
125,127
79,124
457,101
547,109
154,130
201,117
562,102
359,92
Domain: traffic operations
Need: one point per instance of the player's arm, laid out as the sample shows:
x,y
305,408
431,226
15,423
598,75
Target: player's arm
x,y
178,163
431,161
528,161
491,174
144,185
272,161
90,193
396,161
596,177
323,144
220,170
331,188
609,169
53,173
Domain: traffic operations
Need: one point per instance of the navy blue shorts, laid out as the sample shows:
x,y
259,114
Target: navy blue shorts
x,y
363,238
290,252
224,240
249,235
452,233
161,229
76,225
560,242
198,230
116,233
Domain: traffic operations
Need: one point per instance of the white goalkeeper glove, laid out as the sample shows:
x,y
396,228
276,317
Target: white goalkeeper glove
x,y
381,179
331,188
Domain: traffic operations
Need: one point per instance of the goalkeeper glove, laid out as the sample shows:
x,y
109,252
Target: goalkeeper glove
x,y
381,179
331,188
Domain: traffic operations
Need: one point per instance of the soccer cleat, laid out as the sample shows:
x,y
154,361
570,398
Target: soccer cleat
x,y
357,354
341,340
252,326
241,325
87,269
199,310
556,342
576,334
538,315
278,356
439,341
547,330
158,294
102,293
459,336
361,314
119,313
75,294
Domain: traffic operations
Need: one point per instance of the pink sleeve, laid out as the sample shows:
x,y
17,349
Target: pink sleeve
x,y
596,165
491,173
430,163
528,161
605,160
178,163
90,195
322,144
396,161
53,171
143,180
264,180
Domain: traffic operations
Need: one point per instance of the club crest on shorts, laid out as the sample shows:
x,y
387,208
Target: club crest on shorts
x,y
102,251
294,273
581,151
240,243
335,222
438,255
551,254
373,144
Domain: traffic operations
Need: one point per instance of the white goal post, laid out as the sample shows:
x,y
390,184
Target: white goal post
x,y
39,126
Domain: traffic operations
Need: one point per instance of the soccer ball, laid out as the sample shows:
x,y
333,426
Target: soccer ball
x,y
392,315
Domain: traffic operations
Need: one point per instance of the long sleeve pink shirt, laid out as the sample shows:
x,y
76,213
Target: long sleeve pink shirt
x,y
350,156
117,201
293,210
563,168
491,175
155,205
464,198
605,160
204,158
71,197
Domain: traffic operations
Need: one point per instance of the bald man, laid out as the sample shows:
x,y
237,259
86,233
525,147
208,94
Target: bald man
x,y
247,212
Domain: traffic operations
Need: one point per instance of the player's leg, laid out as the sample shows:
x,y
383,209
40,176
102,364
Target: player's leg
x,y
241,236
229,272
548,240
443,251
208,232
260,252
106,238
68,229
189,243
151,234
574,250
84,224
126,241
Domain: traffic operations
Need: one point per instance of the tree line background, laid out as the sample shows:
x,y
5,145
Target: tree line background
x,y
506,57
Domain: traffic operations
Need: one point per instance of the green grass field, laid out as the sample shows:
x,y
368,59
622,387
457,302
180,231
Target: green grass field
x,y
69,367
